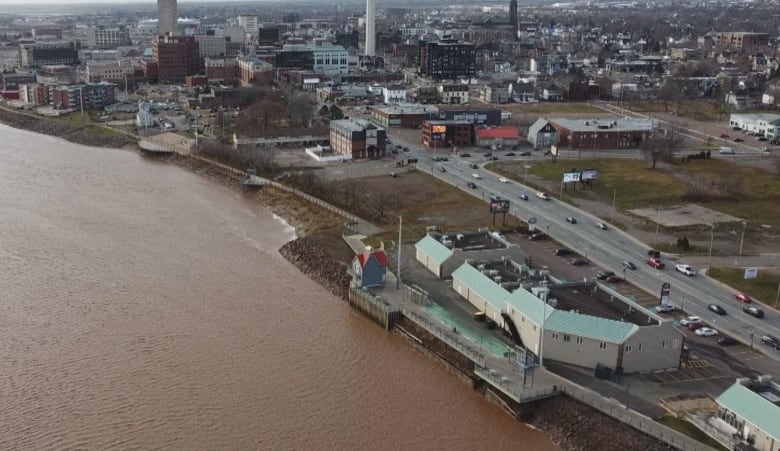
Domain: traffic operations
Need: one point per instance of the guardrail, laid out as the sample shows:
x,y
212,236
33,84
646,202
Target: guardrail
x,y
446,336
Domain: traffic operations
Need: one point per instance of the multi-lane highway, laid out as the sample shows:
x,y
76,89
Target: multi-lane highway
x,y
607,248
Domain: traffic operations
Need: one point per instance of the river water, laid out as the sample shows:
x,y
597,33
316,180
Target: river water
x,y
144,307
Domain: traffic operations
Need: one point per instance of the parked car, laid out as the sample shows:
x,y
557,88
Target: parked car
x,y
724,136
525,154
571,220
562,252
579,262
685,269
717,309
741,297
727,341
510,154
628,264
488,155
753,311
664,308
771,341
691,319
503,180
656,263
695,326
524,196
465,155
471,185
706,332
601,225
602,275
538,236
739,140
474,166
542,195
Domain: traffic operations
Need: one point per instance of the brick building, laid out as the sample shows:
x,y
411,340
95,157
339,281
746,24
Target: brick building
x,y
741,39
93,96
405,116
440,134
9,83
222,70
357,139
601,133
252,71
176,57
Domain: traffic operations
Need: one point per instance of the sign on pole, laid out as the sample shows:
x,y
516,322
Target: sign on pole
x,y
569,177
665,289
589,174
751,273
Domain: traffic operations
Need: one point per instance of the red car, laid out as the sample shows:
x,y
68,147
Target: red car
x,y
745,299
696,325
655,263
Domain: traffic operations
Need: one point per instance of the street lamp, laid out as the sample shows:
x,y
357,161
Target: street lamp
x,y
742,240
614,197
712,238
595,136
657,223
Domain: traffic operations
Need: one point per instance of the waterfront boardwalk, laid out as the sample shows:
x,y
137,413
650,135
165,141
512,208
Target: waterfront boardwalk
x,y
499,370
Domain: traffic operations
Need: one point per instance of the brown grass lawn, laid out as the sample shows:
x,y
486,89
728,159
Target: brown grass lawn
x,y
424,201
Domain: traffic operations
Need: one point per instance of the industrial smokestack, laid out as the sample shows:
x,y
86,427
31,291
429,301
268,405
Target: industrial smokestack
x,y
167,17
370,27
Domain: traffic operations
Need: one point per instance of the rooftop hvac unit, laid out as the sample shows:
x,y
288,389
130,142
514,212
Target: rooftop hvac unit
x,y
497,279
552,302
459,236
481,267
764,379
493,272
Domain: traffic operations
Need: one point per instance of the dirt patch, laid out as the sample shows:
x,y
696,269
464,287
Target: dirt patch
x,y
684,215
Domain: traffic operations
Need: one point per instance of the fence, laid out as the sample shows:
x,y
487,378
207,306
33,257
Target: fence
x,y
447,336
630,417
513,389
416,295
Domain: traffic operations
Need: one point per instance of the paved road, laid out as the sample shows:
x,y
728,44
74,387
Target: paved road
x,y
608,248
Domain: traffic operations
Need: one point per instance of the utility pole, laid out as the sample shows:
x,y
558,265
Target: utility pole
x,y
657,224
400,242
81,100
712,238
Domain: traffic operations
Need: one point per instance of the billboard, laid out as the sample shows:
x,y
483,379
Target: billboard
x,y
665,289
438,129
751,273
571,177
499,206
589,174
554,150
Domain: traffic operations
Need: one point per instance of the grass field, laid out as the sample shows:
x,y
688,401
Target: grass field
x,y
701,110
691,431
635,185
763,288
552,108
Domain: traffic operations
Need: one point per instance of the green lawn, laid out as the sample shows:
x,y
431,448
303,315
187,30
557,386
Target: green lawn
x,y
637,185
691,431
763,288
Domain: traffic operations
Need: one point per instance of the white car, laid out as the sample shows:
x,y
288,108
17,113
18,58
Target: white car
x,y
602,226
706,332
476,176
664,308
689,320
685,269
542,195
503,180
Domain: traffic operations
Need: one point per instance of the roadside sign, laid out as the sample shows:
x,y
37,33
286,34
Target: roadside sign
x,y
751,273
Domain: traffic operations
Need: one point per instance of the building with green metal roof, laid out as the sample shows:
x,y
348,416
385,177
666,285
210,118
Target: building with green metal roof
x,y
750,409
568,336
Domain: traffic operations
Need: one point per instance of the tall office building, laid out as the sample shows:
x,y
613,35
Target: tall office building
x,y
370,27
513,17
167,16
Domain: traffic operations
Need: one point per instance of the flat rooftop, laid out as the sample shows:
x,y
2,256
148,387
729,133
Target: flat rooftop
x,y
470,241
588,299
605,125
406,109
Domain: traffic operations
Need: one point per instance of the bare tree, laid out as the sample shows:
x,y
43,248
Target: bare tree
x,y
663,147
301,109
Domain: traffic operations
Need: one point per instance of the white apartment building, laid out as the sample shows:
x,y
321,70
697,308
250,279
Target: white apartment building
x,y
394,94
102,38
331,60
455,94
248,22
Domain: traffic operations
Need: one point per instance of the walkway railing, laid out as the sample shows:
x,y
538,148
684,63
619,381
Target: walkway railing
x,y
448,336
514,388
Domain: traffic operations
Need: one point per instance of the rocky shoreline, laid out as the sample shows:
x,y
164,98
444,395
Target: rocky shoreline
x,y
77,135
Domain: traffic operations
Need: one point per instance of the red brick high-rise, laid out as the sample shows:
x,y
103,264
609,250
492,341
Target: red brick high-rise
x,y
176,57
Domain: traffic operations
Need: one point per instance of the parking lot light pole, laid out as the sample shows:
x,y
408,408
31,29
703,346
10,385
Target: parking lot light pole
x,y
777,297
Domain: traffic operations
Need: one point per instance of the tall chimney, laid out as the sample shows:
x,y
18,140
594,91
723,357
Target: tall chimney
x,y
370,27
